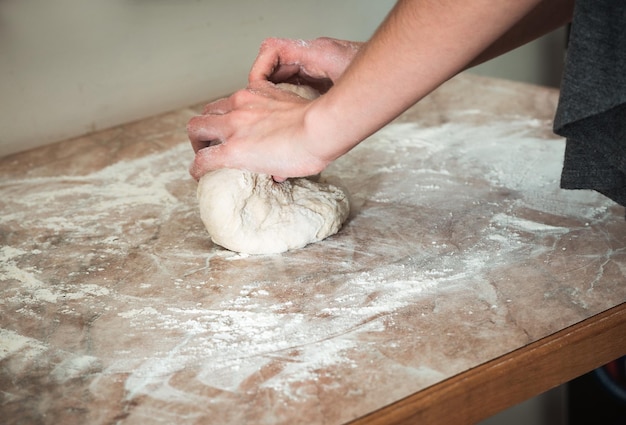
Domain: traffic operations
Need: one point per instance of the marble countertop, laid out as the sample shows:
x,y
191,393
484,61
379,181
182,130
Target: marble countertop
x,y
115,307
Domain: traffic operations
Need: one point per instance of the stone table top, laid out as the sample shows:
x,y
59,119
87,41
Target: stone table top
x,y
115,307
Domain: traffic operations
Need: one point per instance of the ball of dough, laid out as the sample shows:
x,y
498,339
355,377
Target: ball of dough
x,y
251,213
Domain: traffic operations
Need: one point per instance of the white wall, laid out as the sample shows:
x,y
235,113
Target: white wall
x,y
68,67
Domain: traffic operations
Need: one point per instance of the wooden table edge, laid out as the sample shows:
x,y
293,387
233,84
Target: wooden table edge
x,y
494,386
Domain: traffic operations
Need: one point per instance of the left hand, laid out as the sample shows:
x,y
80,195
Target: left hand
x,y
318,63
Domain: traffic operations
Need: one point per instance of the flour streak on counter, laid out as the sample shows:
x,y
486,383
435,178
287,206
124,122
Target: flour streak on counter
x,y
148,317
88,201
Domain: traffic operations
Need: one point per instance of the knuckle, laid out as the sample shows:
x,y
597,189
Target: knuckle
x,y
270,42
241,98
196,124
192,125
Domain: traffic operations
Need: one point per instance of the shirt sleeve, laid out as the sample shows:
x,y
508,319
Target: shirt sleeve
x,y
591,114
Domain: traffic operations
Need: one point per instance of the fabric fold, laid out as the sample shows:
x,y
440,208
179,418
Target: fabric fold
x,y
591,113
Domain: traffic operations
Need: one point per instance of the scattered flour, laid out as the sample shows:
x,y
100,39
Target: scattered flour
x,y
75,367
11,343
527,225
37,290
230,342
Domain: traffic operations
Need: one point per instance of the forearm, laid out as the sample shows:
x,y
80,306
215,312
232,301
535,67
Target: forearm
x,y
546,17
420,45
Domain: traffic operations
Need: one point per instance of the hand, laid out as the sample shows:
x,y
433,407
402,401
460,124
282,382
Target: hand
x,y
318,63
260,129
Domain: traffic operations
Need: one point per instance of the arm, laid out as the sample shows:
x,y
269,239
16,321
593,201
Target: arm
x,y
546,17
420,45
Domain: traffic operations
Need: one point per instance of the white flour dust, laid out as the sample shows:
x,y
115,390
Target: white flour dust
x,y
237,323
12,343
36,291
100,199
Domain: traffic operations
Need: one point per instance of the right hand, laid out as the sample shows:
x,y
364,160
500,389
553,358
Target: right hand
x,y
262,129
317,63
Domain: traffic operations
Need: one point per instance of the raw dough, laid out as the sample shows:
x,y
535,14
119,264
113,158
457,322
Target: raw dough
x,y
251,213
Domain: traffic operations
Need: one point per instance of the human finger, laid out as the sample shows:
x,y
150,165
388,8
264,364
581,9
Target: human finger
x,y
240,99
208,159
267,59
203,132
217,107
284,73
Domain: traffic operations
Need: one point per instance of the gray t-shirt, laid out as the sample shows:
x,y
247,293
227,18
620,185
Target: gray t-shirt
x,y
592,106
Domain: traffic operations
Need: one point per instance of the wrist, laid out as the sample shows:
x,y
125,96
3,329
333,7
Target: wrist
x,y
330,130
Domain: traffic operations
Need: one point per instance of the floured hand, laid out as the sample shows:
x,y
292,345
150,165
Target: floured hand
x,y
317,63
262,129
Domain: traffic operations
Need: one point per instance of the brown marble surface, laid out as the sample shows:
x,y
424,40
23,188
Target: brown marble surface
x,y
116,308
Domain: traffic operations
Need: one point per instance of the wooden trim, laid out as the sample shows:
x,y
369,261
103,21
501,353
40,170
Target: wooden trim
x,y
508,380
